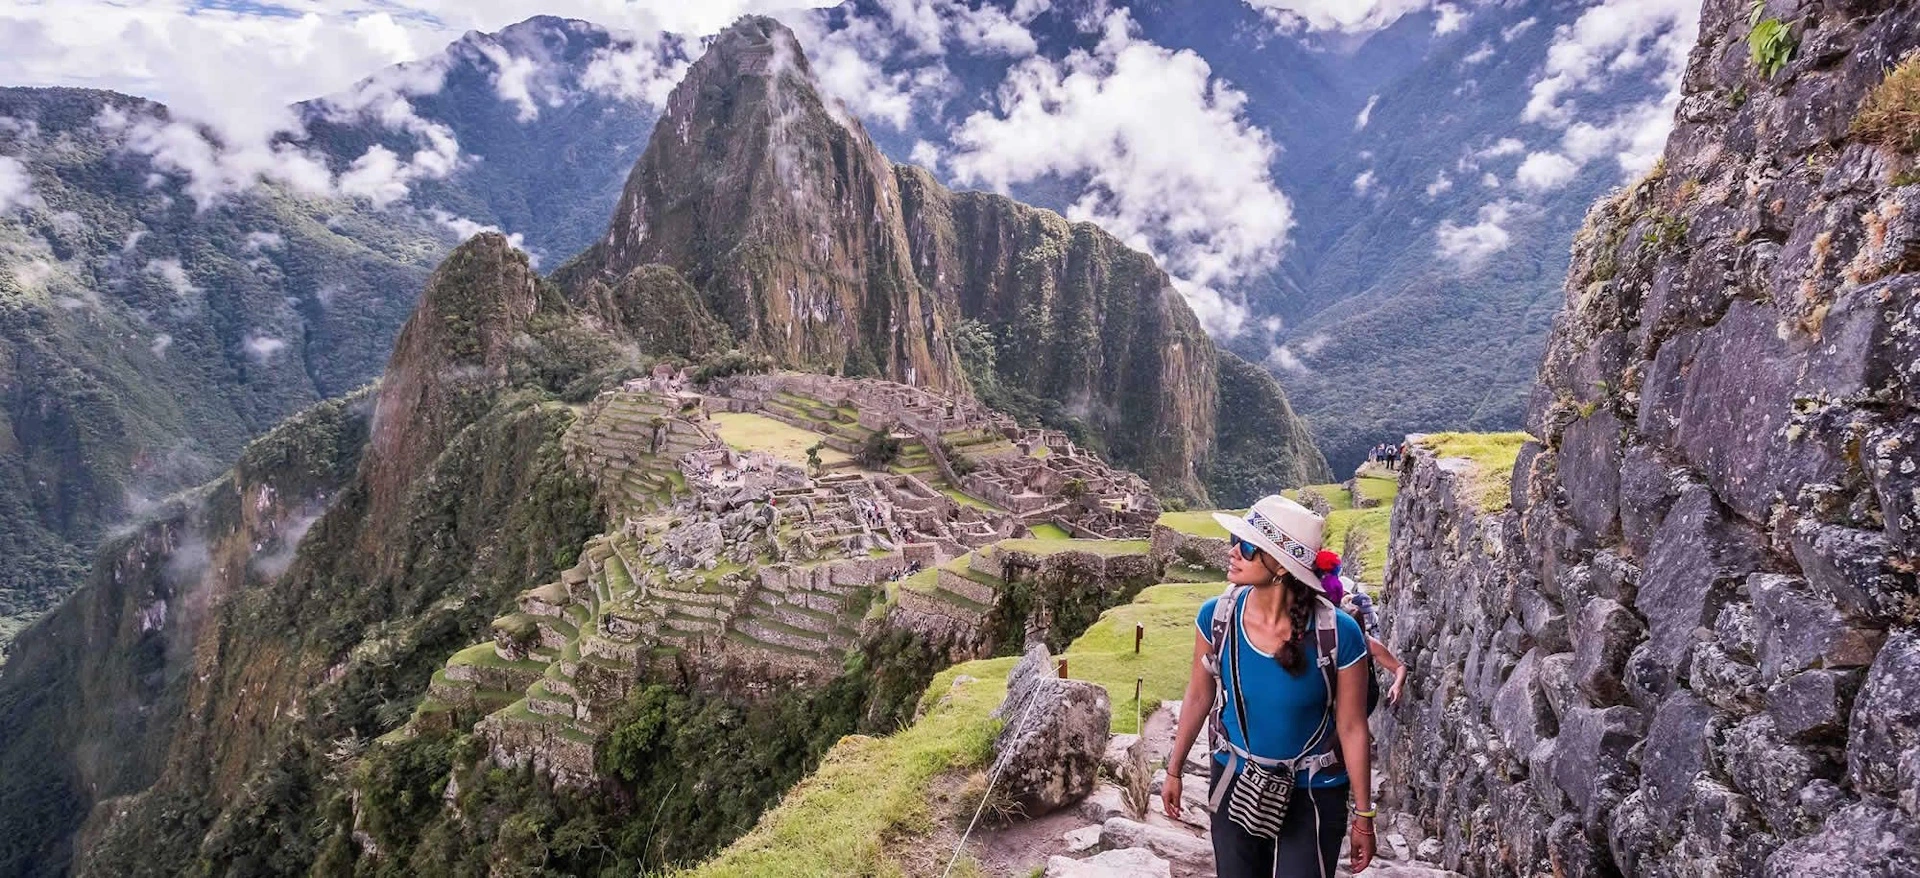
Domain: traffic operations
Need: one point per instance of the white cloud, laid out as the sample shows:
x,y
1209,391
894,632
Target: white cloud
x,y
513,78
1503,147
170,271
1283,357
1611,38
1511,32
1478,55
16,185
1450,18
925,155
1542,171
1170,162
1440,184
639,71
262,349
464,228
883,66
1349,16
1490,181
258,241
1363,182
1366,113
1468,247
160,343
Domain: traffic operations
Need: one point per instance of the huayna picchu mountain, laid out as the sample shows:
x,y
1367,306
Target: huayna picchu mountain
x,y
728,486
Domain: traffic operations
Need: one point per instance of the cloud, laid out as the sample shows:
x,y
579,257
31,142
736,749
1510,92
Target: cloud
x,y
1348,16
1542,171
1449,18
262,349
513,78
1478,55
884,65
1612,38
1511,32
1468,247
1440,184
175,277
1169,161
463,228
16,185
1366,113
1503,147
640,71
1363,182
925,155
160,343
258,241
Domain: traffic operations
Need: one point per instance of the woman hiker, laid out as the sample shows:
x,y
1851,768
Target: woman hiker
x,y
1277,677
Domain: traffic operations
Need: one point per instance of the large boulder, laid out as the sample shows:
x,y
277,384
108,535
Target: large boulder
x,y
1048,754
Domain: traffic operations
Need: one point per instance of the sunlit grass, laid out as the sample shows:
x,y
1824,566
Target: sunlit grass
x,y
1492,456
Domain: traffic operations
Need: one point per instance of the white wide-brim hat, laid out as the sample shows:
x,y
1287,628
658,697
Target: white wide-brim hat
x,y
1284,529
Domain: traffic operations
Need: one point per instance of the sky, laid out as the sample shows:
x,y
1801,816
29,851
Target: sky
x,y
1161,147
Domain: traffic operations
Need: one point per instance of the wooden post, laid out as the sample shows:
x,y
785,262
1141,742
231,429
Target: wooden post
x,y
1063,668
1139,632
1139,684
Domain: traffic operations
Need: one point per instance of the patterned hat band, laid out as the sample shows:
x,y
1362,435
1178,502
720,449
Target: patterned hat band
x,y
1300,551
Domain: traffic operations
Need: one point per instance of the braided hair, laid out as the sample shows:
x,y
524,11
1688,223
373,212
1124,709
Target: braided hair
x,y
1293,654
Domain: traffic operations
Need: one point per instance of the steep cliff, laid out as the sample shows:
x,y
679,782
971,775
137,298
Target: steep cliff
x,y
1688,643
781,211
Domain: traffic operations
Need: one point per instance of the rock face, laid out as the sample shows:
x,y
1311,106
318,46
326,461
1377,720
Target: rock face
x,y
1048,755
783,213
1689,645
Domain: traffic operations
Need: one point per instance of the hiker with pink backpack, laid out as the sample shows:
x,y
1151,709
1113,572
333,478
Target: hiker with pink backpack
x,y
1280,678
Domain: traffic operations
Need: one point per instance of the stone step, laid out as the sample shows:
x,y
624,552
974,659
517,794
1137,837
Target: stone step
x,y
681,622
796,617
743,639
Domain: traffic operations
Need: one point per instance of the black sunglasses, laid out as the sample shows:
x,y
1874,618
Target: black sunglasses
x,y
1248,551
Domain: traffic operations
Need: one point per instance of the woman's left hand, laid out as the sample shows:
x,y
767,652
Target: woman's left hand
x,y
1393,693
1360,853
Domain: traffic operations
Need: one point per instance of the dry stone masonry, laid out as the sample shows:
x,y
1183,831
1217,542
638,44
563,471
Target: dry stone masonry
x,y
1688,644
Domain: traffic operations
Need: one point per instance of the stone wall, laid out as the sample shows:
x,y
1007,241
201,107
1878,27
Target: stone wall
x,y
1688,645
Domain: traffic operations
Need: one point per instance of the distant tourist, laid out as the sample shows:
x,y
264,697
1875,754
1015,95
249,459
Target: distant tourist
x,y
1275,651
1361,608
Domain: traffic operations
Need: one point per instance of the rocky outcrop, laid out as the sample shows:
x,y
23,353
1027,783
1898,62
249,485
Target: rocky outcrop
x,y
1687,646
781,211
450,358
1048,754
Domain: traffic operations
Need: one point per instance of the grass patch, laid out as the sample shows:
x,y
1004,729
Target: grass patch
x,y
1890,116
1492,456
965,499
1378,489
1050,531
1199,523
1097,547
870,792
1336,496
1104,653
750,432
482,655
1373,524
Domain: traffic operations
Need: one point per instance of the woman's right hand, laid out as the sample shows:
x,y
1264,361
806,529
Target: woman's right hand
x,y
1170,794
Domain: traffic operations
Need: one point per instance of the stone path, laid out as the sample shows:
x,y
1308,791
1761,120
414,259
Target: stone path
x,y
1103,838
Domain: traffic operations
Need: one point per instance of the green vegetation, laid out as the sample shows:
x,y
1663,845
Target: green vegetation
x,y
1492,456
1890,116
879,450
751,432
1049,531
870,794
1378,488
1097,547
1260,445
1667,233
1199,523
1104,654
1770,41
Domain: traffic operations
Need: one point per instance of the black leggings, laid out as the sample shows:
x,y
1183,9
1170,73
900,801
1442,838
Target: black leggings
x,y
1240,854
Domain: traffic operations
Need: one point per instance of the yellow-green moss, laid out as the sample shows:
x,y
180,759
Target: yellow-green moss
x,y
1890,116
1492,456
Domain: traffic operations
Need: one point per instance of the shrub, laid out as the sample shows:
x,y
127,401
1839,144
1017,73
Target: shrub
x,y
880,449
1890,116
1770,41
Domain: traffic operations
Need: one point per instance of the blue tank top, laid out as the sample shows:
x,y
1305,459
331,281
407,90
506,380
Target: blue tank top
x,y
1283,710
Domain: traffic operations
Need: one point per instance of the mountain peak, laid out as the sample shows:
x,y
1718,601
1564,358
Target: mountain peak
x,y
782,213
